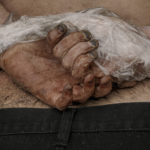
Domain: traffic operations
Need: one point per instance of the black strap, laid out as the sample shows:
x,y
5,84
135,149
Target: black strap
x,y
65,128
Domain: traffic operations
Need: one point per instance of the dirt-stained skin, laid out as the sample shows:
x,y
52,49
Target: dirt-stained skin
x,y
34,67
12,96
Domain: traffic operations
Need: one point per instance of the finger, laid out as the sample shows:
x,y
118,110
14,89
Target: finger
x,y
59,98
103,83
63,99
103,86
69,41
55,35
126,84
82,92
76,51
81,67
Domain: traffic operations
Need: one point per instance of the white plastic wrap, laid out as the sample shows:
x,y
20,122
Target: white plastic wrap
x,y
123,52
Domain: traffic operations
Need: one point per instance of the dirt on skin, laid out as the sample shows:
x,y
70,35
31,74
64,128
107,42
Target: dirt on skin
x,y
136,11
12,96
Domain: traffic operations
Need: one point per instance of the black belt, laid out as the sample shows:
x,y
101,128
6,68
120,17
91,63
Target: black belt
x,y
112,124
65,128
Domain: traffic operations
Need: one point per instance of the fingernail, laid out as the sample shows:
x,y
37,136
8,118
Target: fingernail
x,y
62,27
95,43
89,78
105,80
87,34
68,87
94,54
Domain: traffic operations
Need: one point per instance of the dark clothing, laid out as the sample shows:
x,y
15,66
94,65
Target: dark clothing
x,y
111,127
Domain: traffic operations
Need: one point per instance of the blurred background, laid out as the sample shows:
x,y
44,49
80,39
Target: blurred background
x,y
135,11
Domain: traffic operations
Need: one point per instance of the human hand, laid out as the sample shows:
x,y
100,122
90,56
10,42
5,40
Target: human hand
x,y
34,67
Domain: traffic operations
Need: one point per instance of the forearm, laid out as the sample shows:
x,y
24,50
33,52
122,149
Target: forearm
x,y
4,14
6,18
